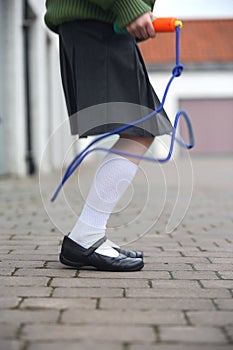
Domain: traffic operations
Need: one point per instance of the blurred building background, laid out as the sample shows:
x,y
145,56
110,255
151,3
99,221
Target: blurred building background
x,y
31,99
32,103
205,90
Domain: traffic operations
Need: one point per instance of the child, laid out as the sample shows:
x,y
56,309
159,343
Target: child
x,y
101,68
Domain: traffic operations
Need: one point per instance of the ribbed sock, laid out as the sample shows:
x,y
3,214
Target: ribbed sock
x,y
112,179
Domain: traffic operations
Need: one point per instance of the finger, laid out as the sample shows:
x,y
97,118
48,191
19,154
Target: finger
x,y
133,31
138,31
143,33
137,34
150,30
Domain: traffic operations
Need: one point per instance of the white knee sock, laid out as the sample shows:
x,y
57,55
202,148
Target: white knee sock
x,y
112,178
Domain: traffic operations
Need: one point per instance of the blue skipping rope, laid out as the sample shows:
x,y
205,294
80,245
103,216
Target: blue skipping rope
x,y
176,72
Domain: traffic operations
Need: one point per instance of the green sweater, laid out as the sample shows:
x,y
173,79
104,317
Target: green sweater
x,y
121,11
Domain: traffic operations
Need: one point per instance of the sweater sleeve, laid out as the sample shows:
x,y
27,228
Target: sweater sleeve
x,y
104,4
125,11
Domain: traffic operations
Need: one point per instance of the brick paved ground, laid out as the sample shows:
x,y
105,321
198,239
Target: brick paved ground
x,y
182,299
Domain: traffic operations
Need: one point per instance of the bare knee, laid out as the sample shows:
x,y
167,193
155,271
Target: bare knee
x,y
131,144
144,141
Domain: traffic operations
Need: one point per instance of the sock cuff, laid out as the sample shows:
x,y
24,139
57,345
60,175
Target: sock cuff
x,y
114,156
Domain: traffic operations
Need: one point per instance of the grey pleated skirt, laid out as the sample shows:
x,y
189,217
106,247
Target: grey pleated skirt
x,y
105,81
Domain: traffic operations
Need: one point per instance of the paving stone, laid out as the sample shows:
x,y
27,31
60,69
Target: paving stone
x,y
175,284
4,236
20,248
30,257
208,253
115,334
55,265
194,275
25,291
100,282
214,267
167,267
140,275
23,281
87,292
8,330
179,293
199,335
151,257
59,303
67,273
224,304
17,264
16,244
31,238
9,302
6,271
76,345
126,317
155,274
213,318
226,274
180,346
4,251
229,330
50,253
221,260
166,245
12,345
217,284
26,316
156,304
181,259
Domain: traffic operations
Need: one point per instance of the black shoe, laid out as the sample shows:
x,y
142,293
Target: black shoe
x,y
72,254
130,253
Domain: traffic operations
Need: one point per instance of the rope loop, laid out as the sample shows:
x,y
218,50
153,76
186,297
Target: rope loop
x,y
177,70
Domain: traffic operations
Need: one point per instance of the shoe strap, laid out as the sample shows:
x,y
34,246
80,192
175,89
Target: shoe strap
x,y
96,245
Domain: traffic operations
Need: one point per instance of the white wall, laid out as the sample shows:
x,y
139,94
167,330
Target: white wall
x,y
48,105
3,158
49,111
13,92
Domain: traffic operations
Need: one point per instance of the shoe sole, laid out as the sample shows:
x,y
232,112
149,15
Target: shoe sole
x,y
77,265
70,263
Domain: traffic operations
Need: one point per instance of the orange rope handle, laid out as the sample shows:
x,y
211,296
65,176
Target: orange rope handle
x,y
166,24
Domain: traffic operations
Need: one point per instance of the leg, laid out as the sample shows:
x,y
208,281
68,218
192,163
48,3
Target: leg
x,y
112,178
133,144
86,244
